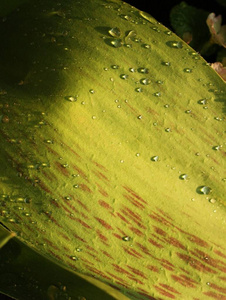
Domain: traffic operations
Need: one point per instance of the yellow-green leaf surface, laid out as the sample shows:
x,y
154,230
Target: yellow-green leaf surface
x,y
112,148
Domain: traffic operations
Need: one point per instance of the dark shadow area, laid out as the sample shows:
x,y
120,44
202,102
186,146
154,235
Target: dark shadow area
x,y
31,57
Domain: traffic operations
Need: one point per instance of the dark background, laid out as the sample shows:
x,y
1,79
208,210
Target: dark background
x,y
160,10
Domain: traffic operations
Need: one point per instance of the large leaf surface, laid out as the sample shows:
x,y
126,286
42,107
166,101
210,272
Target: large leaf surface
x,y
113,148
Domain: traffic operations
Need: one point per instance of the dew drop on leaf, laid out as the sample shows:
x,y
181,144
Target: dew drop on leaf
x,y
74,257
166,63
168,32
187,70
126,238
216,148
124,76
116,43
145,81
71,98
155,158
212,200
183,176
143,70
202,101
177,45
205,190
159,82
115,67
49,141
115,32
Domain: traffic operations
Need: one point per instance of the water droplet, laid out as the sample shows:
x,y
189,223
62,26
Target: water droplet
x,y
121,161
137,40
139,90
11,220
187,70
115,67
132,70
49,141
166,105
137,154
216,148
145,81
71,98
155,158
44,165
94,117
205,190
155,123
168,130
126,17
116,43
159,81
218,119
202,101
168,32
27,215
156,29
76,186
143,70
139,117
67,198
124,76
128,45
126,238
188,111
183,176
157,94
166,63
78,249
65,165
115,32
212,200
74,257
91,91
147,46
175,44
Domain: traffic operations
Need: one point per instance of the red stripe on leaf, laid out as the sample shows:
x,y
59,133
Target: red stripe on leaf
x,y
104,223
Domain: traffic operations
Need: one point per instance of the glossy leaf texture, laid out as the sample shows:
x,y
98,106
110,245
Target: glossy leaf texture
x,y
112,148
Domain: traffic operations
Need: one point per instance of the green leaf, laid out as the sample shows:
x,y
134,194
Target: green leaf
x,y
112,149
